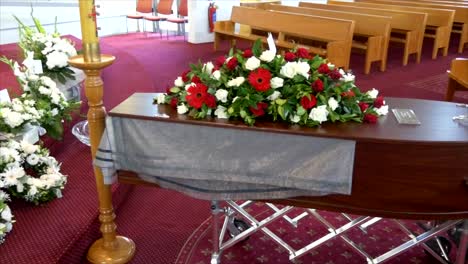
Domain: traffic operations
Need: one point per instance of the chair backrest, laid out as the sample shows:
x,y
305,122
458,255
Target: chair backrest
x,y
144,6
164,7
183,8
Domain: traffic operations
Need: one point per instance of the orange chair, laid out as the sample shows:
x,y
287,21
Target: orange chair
x,y
143,6
458,77
165,8
181,19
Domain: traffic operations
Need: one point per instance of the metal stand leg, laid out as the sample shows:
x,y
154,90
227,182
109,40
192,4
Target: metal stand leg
x,y
215,210
463,245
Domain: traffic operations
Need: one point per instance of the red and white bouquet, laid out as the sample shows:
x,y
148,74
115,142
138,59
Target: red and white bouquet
x,y
252,84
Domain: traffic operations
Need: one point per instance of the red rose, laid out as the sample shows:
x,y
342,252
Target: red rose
x,y
335,74
196,79
259,110
302,53
363,106
220,61
289,56
378,102
174,102
247,53
184,76
323,68
196,95
348,94
307,102
210,101
260,79
317,86
232,63
370,118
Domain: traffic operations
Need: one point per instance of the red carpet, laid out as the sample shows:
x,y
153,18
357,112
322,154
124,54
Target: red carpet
x,y
160,221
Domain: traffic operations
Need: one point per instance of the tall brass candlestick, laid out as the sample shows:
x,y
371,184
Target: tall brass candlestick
x,y
110,248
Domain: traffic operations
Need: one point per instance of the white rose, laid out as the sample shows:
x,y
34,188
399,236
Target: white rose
x,y
182,109
28,148
208,67
160,99
32,159
274,96
332,103
221,95
302,68
383,110
267,55
288,70
6,214
220,112
252,63
319,114
239,81
373,93
179,82
276,82
295,119
346,77
216,75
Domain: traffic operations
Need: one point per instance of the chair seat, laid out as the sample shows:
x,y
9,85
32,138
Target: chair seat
x,y
135,16
177,20
155,18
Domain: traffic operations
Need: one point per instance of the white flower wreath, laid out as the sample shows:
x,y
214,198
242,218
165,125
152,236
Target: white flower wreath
x,y
28,172
6,218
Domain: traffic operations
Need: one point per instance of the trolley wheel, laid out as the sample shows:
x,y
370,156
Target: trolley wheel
x,y
446,245
241,225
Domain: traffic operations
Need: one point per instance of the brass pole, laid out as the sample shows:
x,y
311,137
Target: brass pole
x,y
110,248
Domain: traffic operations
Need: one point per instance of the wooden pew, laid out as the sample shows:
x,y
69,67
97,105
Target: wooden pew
x,y
336,33
460,20
439,21
458,77
443,2
411,24
375,29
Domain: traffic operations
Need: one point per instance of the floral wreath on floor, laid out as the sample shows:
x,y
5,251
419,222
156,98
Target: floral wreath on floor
x,y
29,172
250,84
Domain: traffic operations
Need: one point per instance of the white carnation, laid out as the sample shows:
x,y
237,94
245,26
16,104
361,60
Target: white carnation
x,y
44,90
56,59
274,96
252,63
220,112
346,77
319,114
182,109
332,103
276,82
13,119
221,95
373,93
267,55
179,82
32,159
28,148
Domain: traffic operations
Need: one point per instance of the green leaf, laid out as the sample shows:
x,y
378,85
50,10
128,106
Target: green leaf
x,y
280,101
281,112
257,48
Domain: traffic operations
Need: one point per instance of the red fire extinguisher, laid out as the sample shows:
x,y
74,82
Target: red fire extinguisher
x,y
211,16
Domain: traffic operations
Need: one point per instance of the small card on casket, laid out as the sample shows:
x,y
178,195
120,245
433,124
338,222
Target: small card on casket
x,y
406,116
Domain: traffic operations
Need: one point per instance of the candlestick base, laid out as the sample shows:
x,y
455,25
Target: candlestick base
x,y
122,252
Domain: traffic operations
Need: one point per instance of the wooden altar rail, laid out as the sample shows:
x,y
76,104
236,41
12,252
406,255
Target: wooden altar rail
x,y
410,24
336,33
374,30
460,19
439,21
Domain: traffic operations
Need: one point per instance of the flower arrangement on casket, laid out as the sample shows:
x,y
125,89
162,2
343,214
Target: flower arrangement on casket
x,y
28,172
250,84
41,103
50,49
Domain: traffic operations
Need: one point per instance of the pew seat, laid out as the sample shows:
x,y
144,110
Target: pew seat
x,y
336,34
